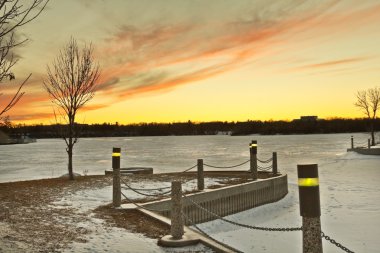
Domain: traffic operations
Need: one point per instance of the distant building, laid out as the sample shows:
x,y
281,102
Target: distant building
x,y
307,119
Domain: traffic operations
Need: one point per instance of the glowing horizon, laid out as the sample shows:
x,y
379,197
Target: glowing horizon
x,y
227,61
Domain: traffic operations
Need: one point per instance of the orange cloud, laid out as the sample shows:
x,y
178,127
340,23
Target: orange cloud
x,y
92,107
34,116
132,52
157,58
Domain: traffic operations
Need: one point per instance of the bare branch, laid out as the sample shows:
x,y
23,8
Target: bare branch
x,y
16,97
71,81
369,102
374,100
363,103
13,15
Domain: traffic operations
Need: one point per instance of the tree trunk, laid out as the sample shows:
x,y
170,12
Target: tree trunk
x,y
70,154
373,132
71,146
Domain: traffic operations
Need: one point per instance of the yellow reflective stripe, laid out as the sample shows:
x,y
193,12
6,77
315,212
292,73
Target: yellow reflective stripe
x,y
308,181
115,154
253,145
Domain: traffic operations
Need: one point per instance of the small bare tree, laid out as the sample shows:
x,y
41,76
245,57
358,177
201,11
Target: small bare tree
x,y
71,82
14,14
369,102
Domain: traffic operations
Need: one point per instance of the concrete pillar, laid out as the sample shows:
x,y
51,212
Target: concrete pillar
x,y
116,200
253,159
308,185
311,229
176,229
274,163
201,179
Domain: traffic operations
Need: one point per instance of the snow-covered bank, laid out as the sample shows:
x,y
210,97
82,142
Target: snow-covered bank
x,y
350,194
103,238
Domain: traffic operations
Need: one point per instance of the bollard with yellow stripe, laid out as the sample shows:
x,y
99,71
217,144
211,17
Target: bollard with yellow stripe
x,y
253,147
116,190
253,159
308,184
116,158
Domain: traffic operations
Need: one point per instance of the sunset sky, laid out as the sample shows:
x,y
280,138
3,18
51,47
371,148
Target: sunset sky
x,y
229,60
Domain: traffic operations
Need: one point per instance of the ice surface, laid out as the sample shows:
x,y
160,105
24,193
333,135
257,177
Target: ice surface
x,y
48,158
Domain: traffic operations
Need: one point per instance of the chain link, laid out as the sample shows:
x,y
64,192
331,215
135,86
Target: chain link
x,y
145,194
140,206
151,189
264,168
265,161
328,238
226,167
192,167
240,224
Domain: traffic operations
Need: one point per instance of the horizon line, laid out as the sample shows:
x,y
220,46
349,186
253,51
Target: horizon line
x,y
189,121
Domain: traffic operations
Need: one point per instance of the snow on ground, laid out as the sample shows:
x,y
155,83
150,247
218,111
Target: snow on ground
x,y
350,194
87,200
113,239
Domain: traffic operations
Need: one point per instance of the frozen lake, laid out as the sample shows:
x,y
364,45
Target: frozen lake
x,y
48,158
349,183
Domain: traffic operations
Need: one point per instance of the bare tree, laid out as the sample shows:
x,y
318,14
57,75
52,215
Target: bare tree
x,y
14,14
71,82
369,102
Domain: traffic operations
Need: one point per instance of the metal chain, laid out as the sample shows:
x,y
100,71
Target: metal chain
x,y
209,236
145,194
265,161
264,168
226,167
143,207
151,189
240,224
328,238
361,144
192,167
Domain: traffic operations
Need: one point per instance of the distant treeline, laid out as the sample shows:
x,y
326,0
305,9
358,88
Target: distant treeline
x,y
204,128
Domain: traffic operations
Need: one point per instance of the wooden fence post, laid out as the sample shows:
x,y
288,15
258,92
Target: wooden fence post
x,y
352,141
253,159
116,200
201,179
274,163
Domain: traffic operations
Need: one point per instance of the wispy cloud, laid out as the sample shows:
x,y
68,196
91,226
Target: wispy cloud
x,y
25,116
184,53
333,63
158,57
